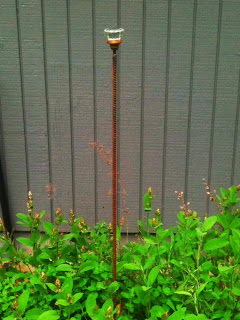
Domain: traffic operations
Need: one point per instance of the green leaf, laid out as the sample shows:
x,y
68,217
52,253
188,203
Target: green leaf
x,y
132,266
23,300
118,234
193,317
9,318
190,317
157,311
147,202
141,224
35,236
108,303
51,286
220,199
42,214
4,249
26,242
236,291
67,287
68,237
146,288
44,239
153,276
223,220
224,192
150,241
91,303
33,314
224,268
166,290
64,267
88,265
215,244
178,315
48,227
186,293
77,297
201,288
49,315
62,302
114,286
209,223
24,218
233,195
235,224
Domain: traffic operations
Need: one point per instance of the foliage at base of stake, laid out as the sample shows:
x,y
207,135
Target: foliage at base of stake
x,y
191,272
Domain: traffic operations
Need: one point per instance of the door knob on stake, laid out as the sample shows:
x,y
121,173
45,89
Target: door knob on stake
x,y
114,37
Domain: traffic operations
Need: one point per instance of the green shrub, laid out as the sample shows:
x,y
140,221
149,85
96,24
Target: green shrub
x,y
189,272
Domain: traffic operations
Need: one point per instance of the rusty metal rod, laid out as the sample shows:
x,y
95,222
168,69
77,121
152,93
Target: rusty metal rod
x,y
114,168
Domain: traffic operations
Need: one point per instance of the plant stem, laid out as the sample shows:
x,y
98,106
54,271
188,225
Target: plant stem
x,y
148,223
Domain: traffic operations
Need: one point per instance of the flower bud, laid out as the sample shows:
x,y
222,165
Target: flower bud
x,y
72,215
109,312
110,228
69,297
54,232
158,212
43,276
122,222
238,187
30,196
58,284
224,198
83,223
150,191
58,213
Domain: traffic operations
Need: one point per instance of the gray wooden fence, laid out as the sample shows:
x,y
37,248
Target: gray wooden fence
x,y
178,103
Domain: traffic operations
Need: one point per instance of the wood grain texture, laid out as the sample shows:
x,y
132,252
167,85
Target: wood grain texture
x,y
130,113
227,96
236,144
56,51
30,24
202,102
178,95
154,98
106,17
81,57
12,111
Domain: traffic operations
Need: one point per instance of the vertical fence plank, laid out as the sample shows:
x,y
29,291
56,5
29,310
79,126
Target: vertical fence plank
x,y
81,57
34,102
12,111
130,113
235,179
203,84
178,98
227,95
106,17
57,76
154,98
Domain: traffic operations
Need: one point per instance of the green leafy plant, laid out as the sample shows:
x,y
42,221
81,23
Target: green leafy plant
x,y
191,272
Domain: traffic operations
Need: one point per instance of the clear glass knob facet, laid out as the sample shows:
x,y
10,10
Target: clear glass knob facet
x,y
114,34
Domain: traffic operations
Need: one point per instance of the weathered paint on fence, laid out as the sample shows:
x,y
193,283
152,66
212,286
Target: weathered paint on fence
x,y
178,103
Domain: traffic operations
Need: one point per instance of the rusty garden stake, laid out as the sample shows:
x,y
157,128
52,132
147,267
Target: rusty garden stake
x,y
114,40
